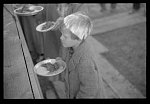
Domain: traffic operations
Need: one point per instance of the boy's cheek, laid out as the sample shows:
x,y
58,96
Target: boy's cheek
x,y
65,44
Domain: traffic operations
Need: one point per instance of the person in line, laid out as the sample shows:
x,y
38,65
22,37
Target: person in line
x,y
82,78
65,9
103,7
135,8
113,6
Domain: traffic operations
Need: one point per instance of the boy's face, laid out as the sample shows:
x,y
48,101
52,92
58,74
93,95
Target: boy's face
x,y
66,39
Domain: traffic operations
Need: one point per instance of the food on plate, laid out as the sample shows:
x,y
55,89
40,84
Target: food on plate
x,y
25,9
42,70
47,25
51,67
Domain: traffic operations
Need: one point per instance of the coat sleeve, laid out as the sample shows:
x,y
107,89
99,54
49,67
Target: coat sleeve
x,y
88,80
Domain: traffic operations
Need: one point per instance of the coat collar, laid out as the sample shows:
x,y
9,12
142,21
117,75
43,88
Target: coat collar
x,y
79,53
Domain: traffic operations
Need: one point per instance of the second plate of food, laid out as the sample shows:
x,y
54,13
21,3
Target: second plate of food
x,y
50,67
46,26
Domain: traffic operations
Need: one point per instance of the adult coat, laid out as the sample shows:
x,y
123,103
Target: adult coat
x,y
83,78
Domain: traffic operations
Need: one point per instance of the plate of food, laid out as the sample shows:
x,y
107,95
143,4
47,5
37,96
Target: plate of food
x,y
46,26
27,10
50,67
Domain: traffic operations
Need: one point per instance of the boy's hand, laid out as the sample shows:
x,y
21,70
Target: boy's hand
x,y
58,58
58,23
60,19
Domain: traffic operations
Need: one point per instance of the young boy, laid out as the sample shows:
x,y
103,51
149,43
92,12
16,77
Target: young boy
x,y
81,78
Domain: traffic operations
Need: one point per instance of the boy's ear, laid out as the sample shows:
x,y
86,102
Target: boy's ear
x,y
78,40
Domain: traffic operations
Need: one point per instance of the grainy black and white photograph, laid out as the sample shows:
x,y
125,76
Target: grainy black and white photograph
x,y
74,51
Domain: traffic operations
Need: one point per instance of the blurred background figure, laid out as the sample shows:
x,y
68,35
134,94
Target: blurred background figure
x,y
65,9
103,7
62,9
135,8
138,7
113,6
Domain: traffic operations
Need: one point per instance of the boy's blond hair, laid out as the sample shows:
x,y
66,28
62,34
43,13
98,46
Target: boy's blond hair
x,y
79,24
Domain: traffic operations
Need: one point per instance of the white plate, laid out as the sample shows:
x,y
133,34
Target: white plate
x,y
35,8
39,27
42,71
